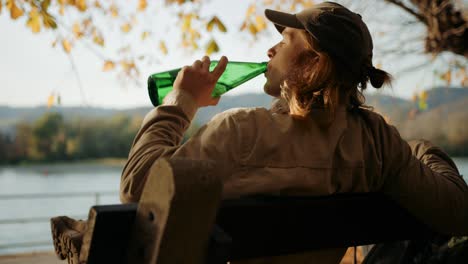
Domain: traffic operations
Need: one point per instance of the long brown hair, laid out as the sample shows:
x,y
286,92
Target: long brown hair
x,y
316,81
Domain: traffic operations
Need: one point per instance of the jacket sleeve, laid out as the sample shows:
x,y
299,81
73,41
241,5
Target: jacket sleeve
x,y
161,134
424,180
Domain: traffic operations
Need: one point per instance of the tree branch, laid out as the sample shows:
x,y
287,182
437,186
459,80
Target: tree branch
x,y
409,10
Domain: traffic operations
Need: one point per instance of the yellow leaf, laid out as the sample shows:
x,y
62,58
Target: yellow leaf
x,y
144,35
45,5
15,11
66,45
108,65
215,21
98,39
260,23
50,100
447,76
162,47
77,30
212,47
243,26
251,10
34,21
1,5
48,20
194,35
87,23
126,27
253,29
142,5
292,8
62,10
97,4
210,24
424,95
307,3
186,22
114,11
81,5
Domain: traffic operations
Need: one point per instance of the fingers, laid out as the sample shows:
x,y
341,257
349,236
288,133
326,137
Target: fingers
x,y
219,69
206,63
197,64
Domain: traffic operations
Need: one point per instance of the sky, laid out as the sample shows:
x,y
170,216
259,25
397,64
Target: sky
x,y
30,69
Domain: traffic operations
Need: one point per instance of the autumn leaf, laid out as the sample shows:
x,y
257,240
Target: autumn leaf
x,y
292,8
260,23
66,45
243,26
250,10
144,35
77,30
108,65
34,21
142,5
307,3
186,22
97,4
50,100
81,5
48,20
424,95
253,29
162,47
215,21
98,39
126,27
221,26
447,76
194,35
114,11
1,5
45,5
212,47
15,11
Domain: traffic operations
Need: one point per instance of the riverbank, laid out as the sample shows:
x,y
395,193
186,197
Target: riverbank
x,y
100,161
36,258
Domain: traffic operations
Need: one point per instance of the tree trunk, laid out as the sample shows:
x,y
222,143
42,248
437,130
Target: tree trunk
x,y
447,27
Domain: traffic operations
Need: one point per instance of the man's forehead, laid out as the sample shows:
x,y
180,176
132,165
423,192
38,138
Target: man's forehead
x,y
289,32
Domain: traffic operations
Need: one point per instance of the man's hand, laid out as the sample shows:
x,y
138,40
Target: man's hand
x,y
199,81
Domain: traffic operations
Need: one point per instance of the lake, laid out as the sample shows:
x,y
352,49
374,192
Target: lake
x,y
79,180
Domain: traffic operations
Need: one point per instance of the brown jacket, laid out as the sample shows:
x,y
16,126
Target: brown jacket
x,y
271,152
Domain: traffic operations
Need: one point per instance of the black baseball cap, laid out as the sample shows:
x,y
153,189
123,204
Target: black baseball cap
x,y
338,31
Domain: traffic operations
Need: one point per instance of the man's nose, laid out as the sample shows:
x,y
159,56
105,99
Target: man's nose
x,y
271,52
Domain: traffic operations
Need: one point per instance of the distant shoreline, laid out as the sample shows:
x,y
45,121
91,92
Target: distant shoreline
x,y
101,161
117,162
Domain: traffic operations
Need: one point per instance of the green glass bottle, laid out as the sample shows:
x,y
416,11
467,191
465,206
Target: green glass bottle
x,y
236,73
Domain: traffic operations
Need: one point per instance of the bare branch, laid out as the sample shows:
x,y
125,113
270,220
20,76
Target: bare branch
x,y
409,10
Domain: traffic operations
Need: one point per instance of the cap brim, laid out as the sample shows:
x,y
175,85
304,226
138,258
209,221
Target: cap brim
x,y
282,20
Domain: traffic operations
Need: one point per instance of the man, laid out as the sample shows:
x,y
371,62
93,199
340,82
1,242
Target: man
x,y
318,138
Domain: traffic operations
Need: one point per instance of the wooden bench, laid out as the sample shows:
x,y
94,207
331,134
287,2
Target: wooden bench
x,y
182,219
